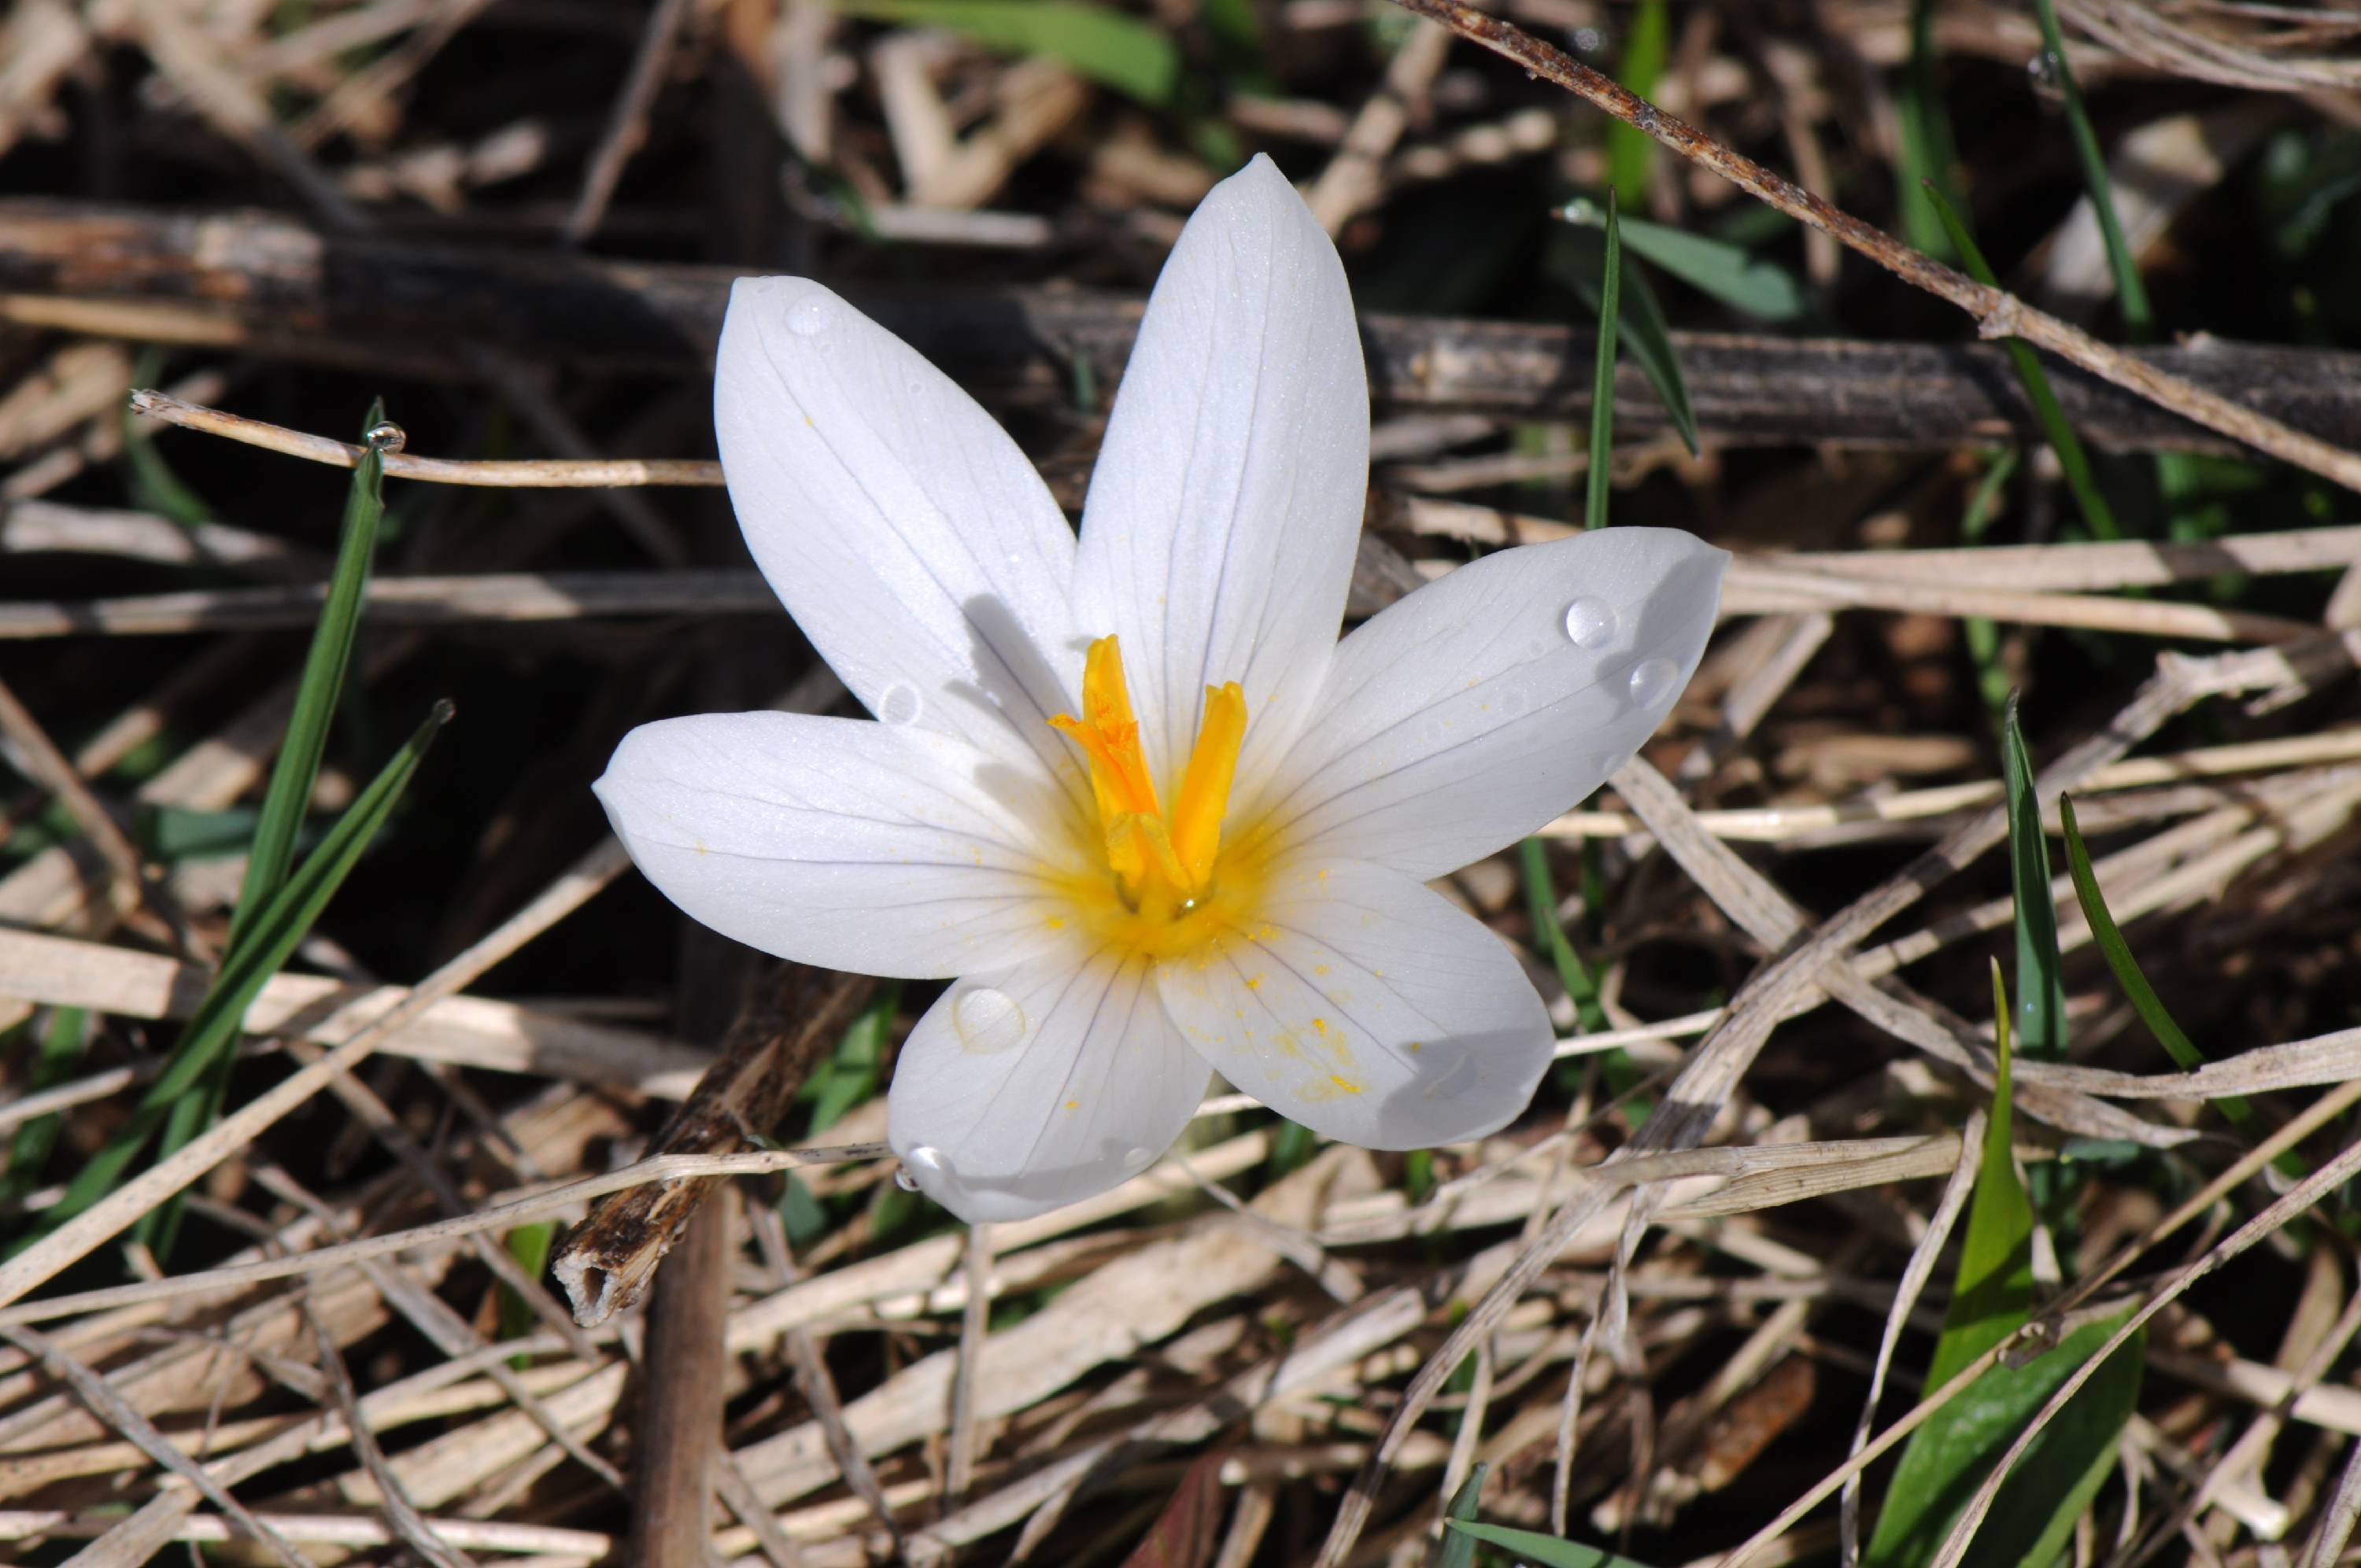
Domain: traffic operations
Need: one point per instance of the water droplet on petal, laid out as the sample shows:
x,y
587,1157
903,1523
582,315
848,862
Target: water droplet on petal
x,y
989,1021
899,704
809,316
1591,623
1655,683
923,1158
1134,1157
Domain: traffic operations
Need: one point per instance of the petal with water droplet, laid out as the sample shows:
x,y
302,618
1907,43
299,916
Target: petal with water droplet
x,y
1465,716
1100,1077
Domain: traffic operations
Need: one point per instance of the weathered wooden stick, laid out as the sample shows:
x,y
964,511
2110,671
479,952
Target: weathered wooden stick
x,y
271,286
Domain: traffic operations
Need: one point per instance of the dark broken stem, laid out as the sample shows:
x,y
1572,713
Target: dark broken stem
x,y
1997,313
682,1388
796,1017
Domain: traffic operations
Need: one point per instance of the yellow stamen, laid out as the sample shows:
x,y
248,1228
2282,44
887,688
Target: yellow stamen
x,y
1205,788
1167,862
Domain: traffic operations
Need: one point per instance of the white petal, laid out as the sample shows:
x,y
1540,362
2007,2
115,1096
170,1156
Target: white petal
x,y
1218,539
910,538
837,842
1468,714
1023,1090
1367,1008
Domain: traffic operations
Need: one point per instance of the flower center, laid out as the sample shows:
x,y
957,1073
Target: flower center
x,y
1163,864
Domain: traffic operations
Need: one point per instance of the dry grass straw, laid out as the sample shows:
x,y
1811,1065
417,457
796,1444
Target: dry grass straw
x,y
902,1394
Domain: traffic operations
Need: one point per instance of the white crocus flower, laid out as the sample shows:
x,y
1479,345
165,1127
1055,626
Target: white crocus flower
x,y
1131,788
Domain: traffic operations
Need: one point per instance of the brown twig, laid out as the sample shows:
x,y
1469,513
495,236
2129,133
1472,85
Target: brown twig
x,y
1996,312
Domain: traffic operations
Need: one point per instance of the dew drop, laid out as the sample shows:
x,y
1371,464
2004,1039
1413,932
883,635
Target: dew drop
x,y
1132,1159
922,1157
989,1021
1655,682
1591,623
809,316
387,437
899,705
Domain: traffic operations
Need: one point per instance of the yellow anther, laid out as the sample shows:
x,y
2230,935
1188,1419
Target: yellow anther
x,y
1205,787
1166,861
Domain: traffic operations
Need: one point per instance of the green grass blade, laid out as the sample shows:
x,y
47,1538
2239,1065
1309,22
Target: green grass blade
x,y
1984,635
1631,152
2073,462
295,771
1093,41
1602,377
1729,272
1928,154
2109,938
274,936
297,767
1540,900
2040,997
1457,1549
1545,1550
2131,289
1990,1293
2035,1514
1949,1457
529,1244
1639,326
57,1051
849,1078
1993,1287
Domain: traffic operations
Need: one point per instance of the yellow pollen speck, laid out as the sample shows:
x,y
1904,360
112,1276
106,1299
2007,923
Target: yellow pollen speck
x,y
1319,969
1074,1104
1319,1027
1056,921
1414,1047
1346,1084
1254,982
